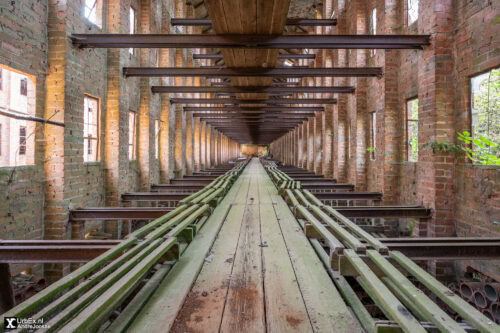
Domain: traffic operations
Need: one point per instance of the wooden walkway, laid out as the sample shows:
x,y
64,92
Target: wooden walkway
x,y
261,273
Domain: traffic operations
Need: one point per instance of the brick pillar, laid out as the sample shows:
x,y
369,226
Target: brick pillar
x,y
213,159
435,173
300,145
197,145
203,145
320,116
319,129
116,124
147,111
208,154
180,124
189,117
305,129
218,146
311,125
167,113
389,119
56,213
339,149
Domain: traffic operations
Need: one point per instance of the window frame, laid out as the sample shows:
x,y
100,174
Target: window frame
x,y
22,140
157,138
373,135
133,27
408,120
98,129
97,8
132,138
23,87
19,89
408,23
471,102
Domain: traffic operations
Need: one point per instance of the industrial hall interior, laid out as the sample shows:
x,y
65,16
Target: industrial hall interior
x,y
199,166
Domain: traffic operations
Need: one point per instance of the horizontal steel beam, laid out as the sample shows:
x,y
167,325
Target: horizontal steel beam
x,y
252,89
253,114
190,181
348,195
280,56
254,108
274,84
336,187
251,41
163,188
385,211
456,248
118,213
289,21
251,71
152,196
37,254
237,101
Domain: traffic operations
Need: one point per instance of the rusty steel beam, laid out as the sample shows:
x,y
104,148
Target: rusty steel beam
x,y
65,242
289,21
38,254
274,84
228,72
254,114
153,196
162,188
453,248
336,187
280,56
315,178
118,213
190,181
348,195
250,41
253,101
253,108
252,89
385,211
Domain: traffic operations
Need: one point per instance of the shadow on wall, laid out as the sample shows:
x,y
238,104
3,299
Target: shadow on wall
x,y
254,150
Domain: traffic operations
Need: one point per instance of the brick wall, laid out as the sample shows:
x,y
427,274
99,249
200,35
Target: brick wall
x,y
464,41
24,47
35,200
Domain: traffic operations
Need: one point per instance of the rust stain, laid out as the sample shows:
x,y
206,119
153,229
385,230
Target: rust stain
x,y
293,321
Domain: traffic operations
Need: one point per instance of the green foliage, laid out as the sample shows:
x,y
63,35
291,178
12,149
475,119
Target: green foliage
x,y
370,149
481,154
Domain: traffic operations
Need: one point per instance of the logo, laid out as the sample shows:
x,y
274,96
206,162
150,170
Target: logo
x,y
10,323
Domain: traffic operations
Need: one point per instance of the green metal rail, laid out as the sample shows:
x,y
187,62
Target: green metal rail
x,y
84,299
381,273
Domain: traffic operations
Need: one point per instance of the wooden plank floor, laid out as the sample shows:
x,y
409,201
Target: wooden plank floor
x,y
261,274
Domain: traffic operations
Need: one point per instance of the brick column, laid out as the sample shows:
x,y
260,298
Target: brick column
x,y
203,145
311,125
339,141
116,124
435,173
197,145
180,124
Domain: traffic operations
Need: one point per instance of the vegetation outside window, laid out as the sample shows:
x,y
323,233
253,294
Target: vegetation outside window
x,y
485,111
412,129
